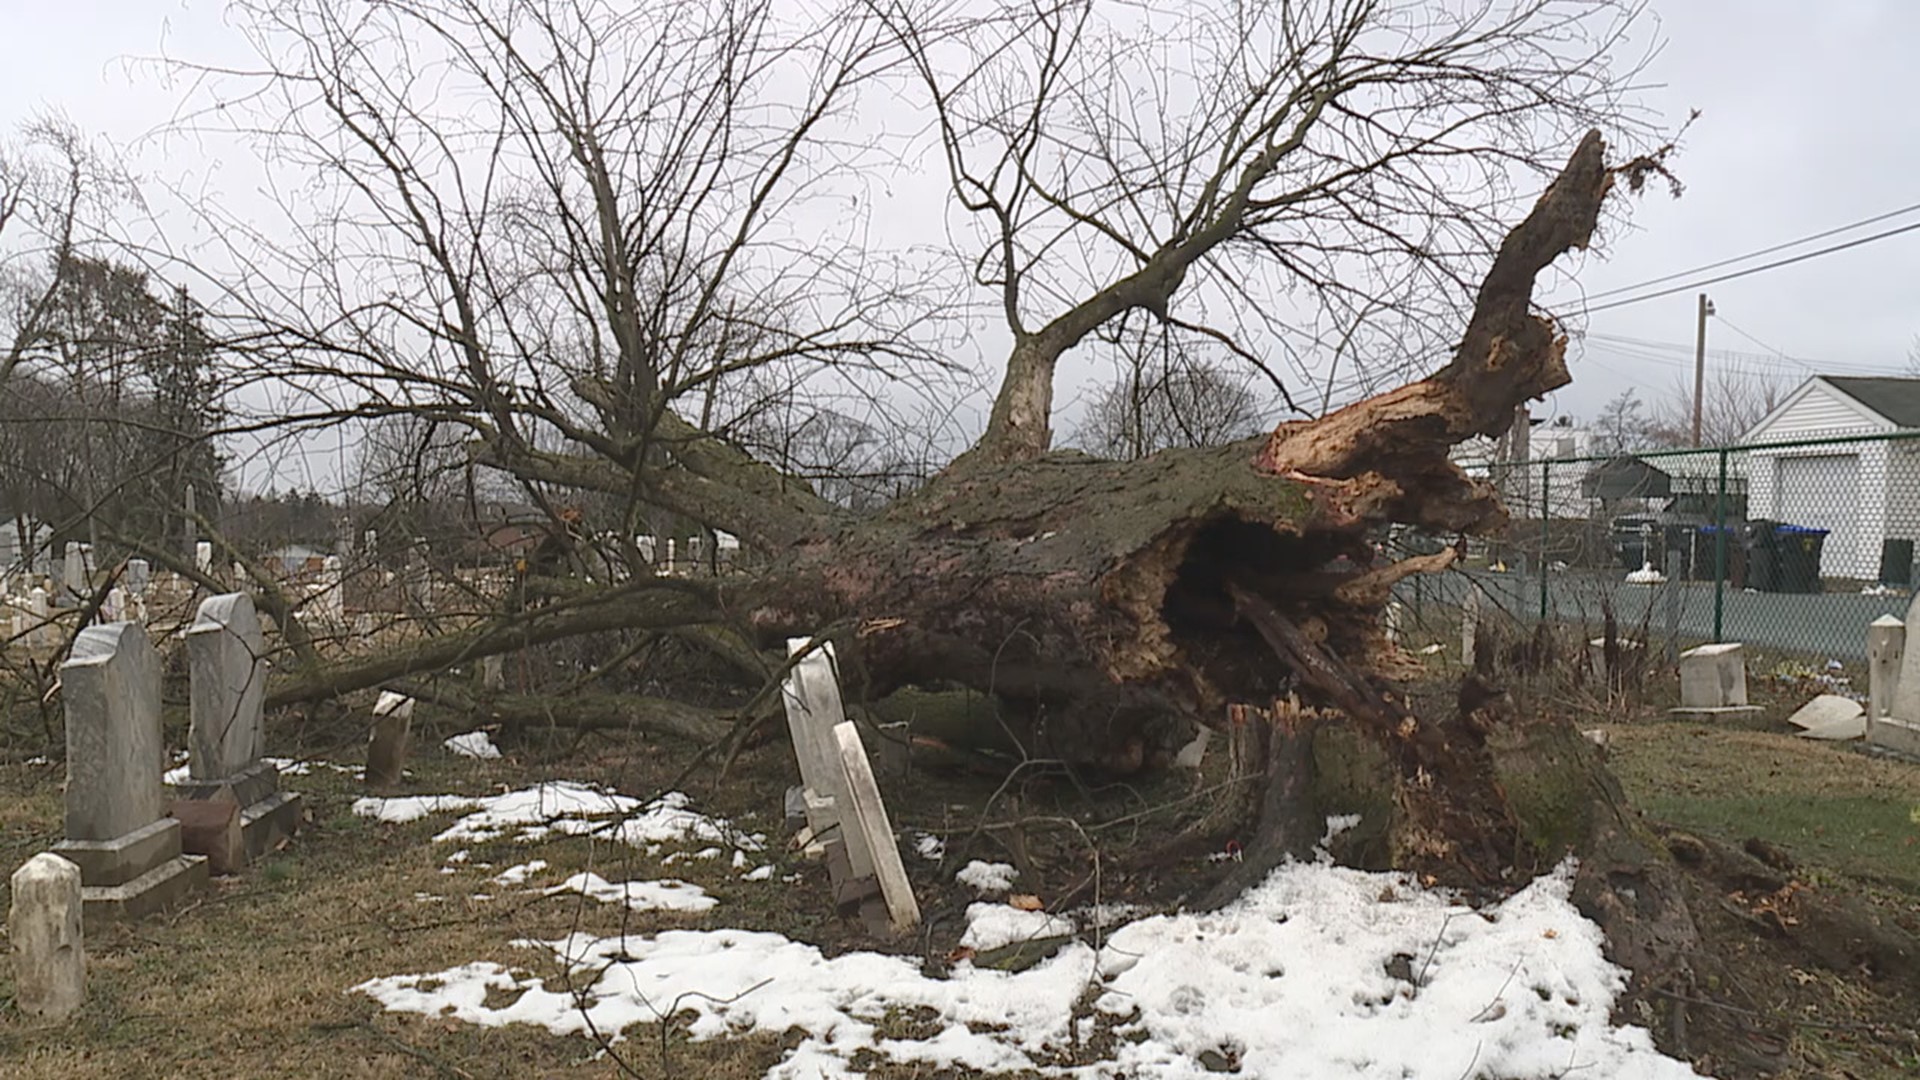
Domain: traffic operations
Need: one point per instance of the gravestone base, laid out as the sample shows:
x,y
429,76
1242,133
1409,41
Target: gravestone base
x,y
1719,712
154,891
1900,736
134,875
267,814
266,823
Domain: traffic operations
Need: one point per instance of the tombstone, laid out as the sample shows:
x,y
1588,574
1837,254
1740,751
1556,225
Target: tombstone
x,y
139,576
1627,650
811,695
387,746
73,571
40,632
1391,619
840,797
226,657
203,556
333,589
648,545
866,815
669,567
113,608
128,851
1469,624
1893,717
44,925
1713,683
493,673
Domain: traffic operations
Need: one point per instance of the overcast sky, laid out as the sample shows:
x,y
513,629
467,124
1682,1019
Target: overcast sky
x,y
1805,126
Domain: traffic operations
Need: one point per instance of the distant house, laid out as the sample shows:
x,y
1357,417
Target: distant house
x,y
296,560
1683,488
1863,493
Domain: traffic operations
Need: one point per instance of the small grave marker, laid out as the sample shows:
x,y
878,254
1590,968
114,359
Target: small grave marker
x,y
44,925
1713,682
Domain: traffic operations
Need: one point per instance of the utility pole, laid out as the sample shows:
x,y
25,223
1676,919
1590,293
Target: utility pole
x,y
1700,363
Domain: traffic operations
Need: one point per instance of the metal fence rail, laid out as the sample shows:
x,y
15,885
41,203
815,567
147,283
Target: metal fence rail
x,y
1792,545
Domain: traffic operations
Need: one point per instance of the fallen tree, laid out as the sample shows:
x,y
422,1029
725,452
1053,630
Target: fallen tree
x,y
1109,606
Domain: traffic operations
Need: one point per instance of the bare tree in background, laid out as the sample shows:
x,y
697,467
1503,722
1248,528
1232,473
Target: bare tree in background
x,y
1732,403
1162,400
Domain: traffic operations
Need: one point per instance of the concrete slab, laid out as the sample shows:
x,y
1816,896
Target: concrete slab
x,y
1827,710
1725,712
1853,727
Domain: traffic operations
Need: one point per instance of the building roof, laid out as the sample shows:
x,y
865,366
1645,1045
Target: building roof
x,y
1897,399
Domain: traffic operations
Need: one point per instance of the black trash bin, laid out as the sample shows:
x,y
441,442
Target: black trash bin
x,y
1896,562
1630,543
1706,553
1797,549
1758,541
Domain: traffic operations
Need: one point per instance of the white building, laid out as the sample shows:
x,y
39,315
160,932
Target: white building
x,y
1863,492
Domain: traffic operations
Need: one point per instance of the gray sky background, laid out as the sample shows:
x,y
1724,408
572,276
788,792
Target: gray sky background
x,y
1805,126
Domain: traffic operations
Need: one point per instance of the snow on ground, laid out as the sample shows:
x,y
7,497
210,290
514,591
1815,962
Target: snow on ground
x,y
668,895
518,874
473,744
566,808
287,766
1291,980
987,877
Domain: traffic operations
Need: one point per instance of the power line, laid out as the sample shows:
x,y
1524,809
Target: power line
x,y
1775,265
1756,254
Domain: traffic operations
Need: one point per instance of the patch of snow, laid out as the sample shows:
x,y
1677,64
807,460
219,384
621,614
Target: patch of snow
x,y
175,776
668,895
566,808
1520,991
1336,824
758,873
459,856
473,744
987,877
518,875
290,767
38,759
930,847
1646,575
989,926
405,808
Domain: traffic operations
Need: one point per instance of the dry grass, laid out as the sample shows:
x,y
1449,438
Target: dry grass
x,y
1832,805
252,979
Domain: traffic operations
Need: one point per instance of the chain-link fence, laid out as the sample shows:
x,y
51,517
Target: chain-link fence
x,y
1788,546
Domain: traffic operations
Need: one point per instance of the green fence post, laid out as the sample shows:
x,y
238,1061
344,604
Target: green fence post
x,y
1720,550
1546,534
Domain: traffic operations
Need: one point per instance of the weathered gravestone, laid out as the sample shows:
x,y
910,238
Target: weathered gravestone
x,y
1713,682
128,850
1893,716
226,655
44,925
843,806
387,744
